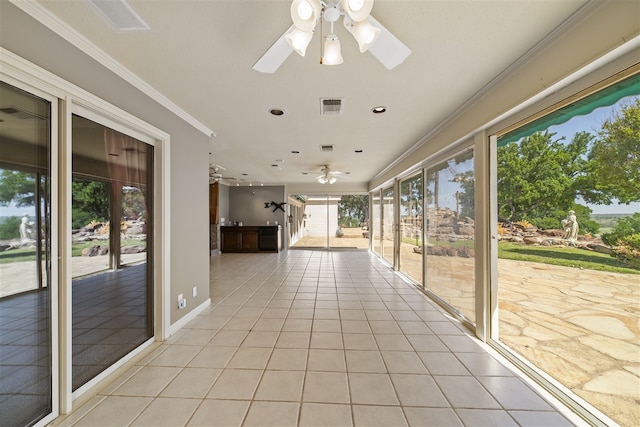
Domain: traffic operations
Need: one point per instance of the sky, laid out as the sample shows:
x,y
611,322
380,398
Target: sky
x,y
592,123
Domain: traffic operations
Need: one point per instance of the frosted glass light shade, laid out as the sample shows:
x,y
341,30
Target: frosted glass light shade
x,y
365,34
332,51
305,14
299,40
358,10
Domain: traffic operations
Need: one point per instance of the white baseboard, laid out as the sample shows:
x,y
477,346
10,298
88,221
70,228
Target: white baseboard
x,y
189,317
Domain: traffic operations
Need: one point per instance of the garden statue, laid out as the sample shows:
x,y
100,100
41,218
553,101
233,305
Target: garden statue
x,y
25,229
570,225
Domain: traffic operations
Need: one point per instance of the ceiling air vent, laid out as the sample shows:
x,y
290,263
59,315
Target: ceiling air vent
x,y
326,148
330,106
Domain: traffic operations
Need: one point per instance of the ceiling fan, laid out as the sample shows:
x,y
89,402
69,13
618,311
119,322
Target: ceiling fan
x,y
328,176
370,34
215,175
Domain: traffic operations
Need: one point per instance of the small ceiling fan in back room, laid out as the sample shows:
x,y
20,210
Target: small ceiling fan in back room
x,y
370,34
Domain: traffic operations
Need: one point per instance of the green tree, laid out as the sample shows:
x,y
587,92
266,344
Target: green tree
x,y
353,210
616,155
90,202
540,175
17,186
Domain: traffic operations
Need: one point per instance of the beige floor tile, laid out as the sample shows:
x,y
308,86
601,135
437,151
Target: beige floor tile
x,y
327,325
281,386
359,342
235,384
148,381
385,327
269,324
191,382
300,313
195,337
346,314
403,362
176,355
272,414
326,387
326,360
365,361
372,389
325,313
115,411
167,412
226,338
239,324
326,340
418,390
416,328
260,339
293,340
288,359
212,357
393,342
219,413
427,343
355,327
428,417
378,416
250,358
325,415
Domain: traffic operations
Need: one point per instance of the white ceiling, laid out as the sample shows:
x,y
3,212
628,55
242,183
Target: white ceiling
x,y
200,53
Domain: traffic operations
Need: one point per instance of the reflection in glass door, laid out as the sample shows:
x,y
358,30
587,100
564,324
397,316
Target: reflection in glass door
x,y
387,237
112,188
25,267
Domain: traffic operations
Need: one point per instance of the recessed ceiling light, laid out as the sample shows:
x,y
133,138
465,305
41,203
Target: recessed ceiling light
x,y
358,151
379,110
245,174
277,112
295,152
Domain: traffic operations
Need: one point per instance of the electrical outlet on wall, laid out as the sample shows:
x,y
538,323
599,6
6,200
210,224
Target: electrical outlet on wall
x,y
182,302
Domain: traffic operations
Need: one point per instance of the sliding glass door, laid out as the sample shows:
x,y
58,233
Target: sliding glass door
x,y
111,264
411,219
334,221
26,378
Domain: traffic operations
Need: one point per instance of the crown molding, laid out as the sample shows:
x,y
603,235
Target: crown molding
x,y
49,20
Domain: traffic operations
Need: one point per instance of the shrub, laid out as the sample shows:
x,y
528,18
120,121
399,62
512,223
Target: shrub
x,y
10,228
626,226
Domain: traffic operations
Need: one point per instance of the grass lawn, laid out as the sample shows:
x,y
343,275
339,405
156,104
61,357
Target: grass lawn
x,y
564,256
29,254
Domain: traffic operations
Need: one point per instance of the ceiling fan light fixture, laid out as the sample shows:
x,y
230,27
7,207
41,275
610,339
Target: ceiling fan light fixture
x,y
358,10
305,14
364,33
299,40
332,51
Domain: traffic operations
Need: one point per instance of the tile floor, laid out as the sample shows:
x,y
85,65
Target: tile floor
x,y
317,338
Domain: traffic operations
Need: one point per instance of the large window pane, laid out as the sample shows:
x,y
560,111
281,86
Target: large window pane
x,y
25,297
334,221
411,227
450,246
568,266
374,232
387,236
112,189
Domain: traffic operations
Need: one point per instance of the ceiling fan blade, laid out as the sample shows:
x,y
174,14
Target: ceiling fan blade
x,y
388,49
276,55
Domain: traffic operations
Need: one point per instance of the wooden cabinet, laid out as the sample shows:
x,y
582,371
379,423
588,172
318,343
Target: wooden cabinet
x,y
250,238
